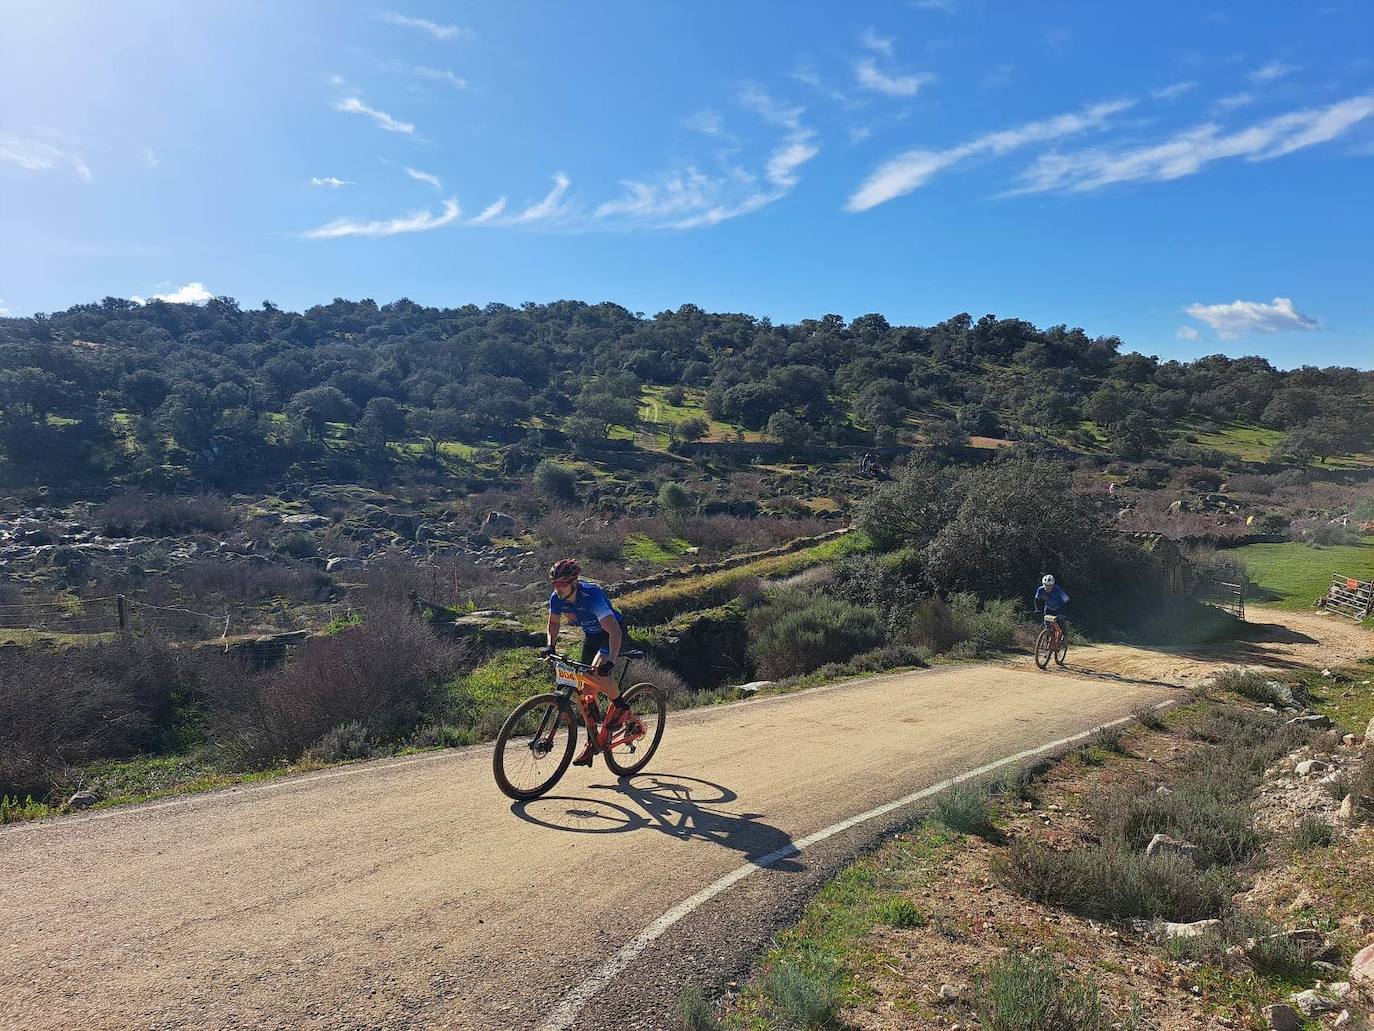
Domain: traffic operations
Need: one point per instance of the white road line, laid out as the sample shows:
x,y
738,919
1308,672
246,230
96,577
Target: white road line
x,y
565,1014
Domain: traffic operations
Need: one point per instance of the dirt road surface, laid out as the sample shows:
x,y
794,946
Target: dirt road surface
x,y
1272,640
409,893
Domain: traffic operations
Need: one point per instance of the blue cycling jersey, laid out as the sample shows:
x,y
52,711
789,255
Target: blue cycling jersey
x,y
1054,599
588,606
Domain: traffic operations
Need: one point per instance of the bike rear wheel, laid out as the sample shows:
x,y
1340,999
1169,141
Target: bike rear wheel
x,y
534,747
1043,648
636,739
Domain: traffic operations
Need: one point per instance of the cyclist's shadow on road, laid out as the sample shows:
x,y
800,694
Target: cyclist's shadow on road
x,y
669,804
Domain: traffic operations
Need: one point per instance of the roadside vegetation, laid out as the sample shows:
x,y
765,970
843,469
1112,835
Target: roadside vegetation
x,y
1046,901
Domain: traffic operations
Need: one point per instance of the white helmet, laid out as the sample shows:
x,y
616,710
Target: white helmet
x,y
1047,580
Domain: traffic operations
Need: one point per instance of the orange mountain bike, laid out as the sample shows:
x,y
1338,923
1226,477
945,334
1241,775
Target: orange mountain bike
x,y
537,741
1051,643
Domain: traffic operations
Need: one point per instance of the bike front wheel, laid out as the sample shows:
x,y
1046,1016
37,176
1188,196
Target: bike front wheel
x,y
636,739
1044,648
535,747
1063,648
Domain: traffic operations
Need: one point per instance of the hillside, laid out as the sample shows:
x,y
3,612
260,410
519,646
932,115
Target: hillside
x,y
178,396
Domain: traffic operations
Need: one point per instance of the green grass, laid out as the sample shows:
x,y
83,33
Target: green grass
x,y
1348,697
1294,575
1252,442
833,942
641,547
659,604
1246,440
656,411
16,810
144,778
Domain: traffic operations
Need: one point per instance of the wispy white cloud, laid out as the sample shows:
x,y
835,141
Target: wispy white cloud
x,y
859,133
434,29
1186,333
1272,71
1241,318
415,222
354,106
933,5
1188,152
912,169
1232,102
870,40
151,158
491,211
871,77
333,182
689,197
191,293
1173,90
548,208
424,177
708,123
753,98
440,75
38,156
4,311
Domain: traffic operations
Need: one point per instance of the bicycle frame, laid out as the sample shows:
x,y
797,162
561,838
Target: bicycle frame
x,y
1052,625
573,682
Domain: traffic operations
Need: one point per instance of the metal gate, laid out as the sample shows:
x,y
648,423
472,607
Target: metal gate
x,y
1227,597
1349,597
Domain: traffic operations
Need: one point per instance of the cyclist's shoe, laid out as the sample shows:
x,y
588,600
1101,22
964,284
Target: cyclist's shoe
x,y
616,715
585,759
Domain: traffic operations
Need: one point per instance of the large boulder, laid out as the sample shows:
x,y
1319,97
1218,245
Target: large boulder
x,y
1362,969
1190,930
492,631
304,521
1282,1017
1163,845
342,563
498,524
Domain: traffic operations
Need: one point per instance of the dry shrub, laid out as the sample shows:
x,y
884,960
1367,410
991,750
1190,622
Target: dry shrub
x,y
244,584
386,674
932,627
128,515
1106,882
62,709
451,580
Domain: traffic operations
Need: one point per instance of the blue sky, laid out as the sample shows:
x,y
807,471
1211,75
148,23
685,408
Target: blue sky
x,y
1192,178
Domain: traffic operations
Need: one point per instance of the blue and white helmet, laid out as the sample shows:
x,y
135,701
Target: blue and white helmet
x,y
1047,581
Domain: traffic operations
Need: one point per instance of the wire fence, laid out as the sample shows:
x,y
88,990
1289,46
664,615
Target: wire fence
x,y
114,614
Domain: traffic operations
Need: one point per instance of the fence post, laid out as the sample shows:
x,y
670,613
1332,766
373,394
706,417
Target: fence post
x,y
122,612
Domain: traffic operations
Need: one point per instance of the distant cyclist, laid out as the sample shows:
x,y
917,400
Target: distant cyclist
x,y
1052,600
603,633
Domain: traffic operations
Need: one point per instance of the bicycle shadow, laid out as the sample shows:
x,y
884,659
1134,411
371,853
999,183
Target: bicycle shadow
x,y
670,804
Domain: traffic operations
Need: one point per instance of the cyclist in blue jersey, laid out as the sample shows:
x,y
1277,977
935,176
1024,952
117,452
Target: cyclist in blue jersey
x,y
603,634
1052,599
